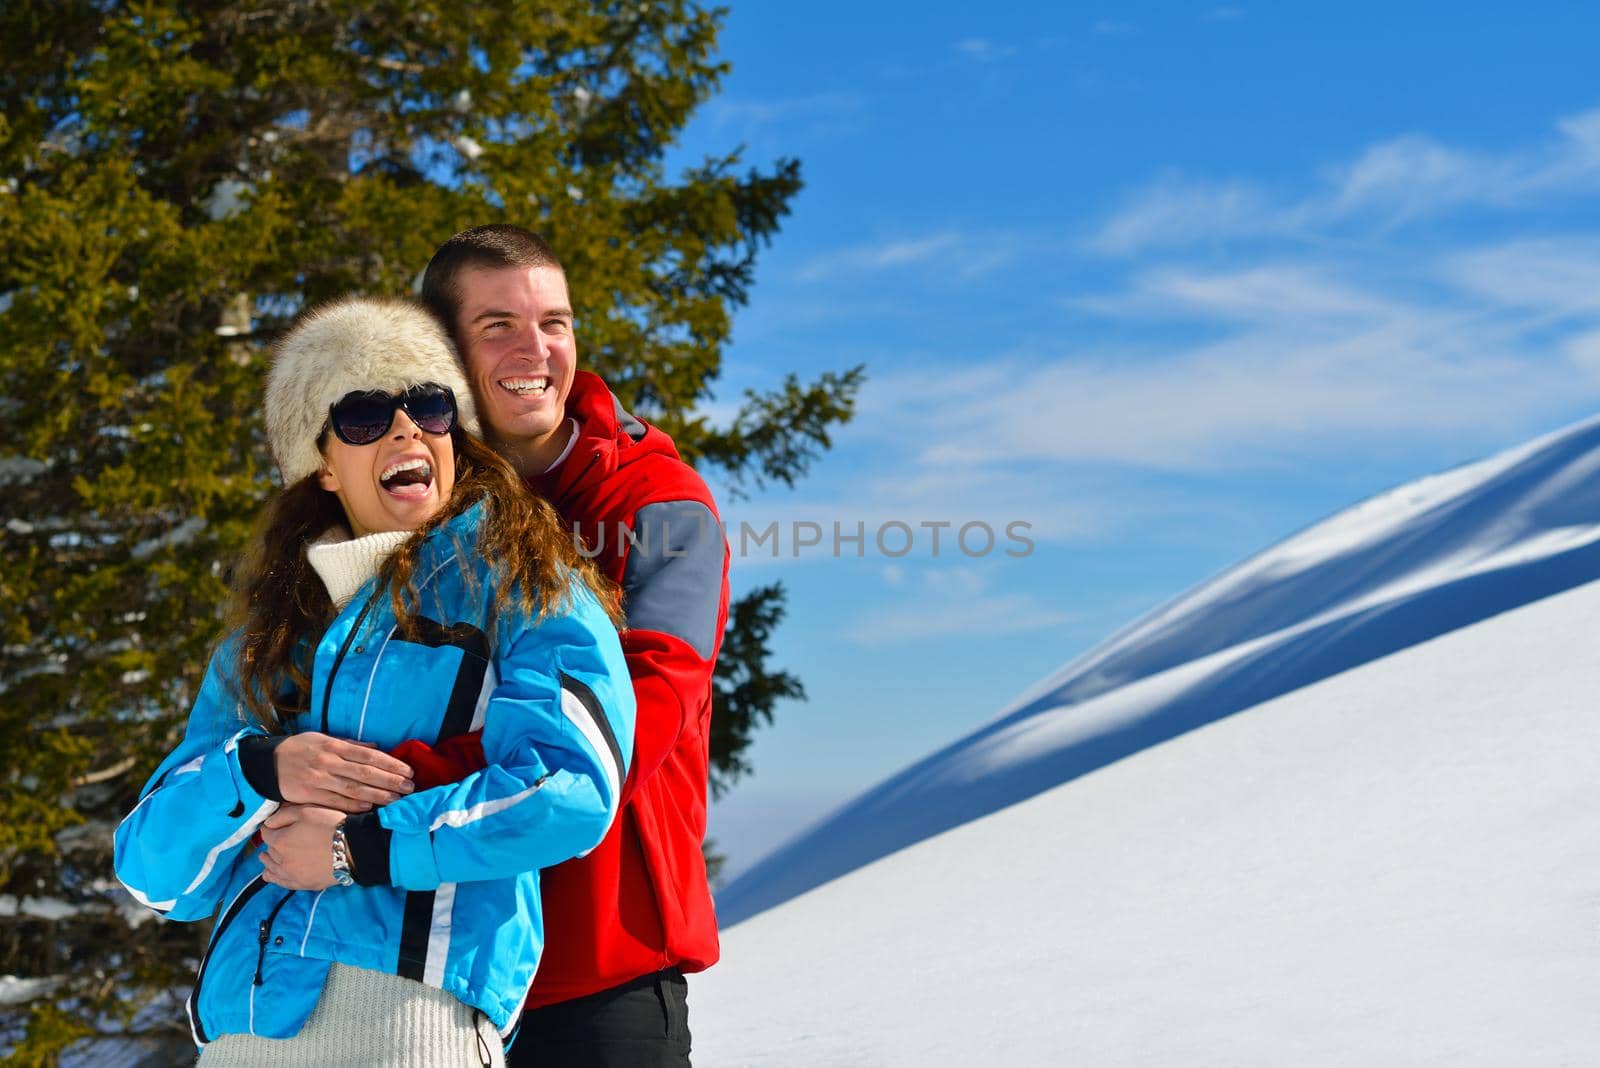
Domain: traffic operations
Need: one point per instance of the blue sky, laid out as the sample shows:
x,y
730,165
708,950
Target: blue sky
x,y
1166,282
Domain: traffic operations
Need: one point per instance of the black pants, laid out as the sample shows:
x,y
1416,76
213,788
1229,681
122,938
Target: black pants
x,y
643,1023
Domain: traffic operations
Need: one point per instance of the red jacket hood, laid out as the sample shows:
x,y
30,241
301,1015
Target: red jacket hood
x,y
608,438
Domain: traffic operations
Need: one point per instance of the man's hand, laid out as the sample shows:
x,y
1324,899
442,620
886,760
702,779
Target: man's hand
x,y
299,854
315,769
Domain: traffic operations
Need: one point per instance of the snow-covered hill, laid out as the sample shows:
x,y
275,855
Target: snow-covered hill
x,y
1420,561
1398,865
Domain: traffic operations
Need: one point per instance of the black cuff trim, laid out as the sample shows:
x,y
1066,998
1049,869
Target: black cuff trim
x,y
258,761
368,843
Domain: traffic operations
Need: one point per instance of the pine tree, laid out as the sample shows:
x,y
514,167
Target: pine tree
x,y
177,180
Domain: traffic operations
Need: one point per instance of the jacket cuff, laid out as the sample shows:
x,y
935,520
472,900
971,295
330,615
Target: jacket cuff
x,y
259,765
368,842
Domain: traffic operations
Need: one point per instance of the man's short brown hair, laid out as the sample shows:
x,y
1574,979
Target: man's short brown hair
x,y
493,247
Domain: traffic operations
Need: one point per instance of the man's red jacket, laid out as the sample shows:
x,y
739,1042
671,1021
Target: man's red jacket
x,y
640,902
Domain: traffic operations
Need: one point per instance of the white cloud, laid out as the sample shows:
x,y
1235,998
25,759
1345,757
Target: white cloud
x,y
1278,293
1387,185
877,257
1009,613
776,125
1176,211
734,111
1336,349
1583,133
965,255
956,600
984,50
1224,14
1558,278
1410,176
1114,28
1293,360
1584,352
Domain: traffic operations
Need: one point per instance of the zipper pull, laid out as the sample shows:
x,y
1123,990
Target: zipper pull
x,y
484,1056
265,931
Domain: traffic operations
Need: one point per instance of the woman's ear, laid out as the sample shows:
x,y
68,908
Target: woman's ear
x,y
327,479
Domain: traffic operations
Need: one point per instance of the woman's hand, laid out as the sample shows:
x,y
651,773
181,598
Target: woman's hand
x,y
299,853
315,769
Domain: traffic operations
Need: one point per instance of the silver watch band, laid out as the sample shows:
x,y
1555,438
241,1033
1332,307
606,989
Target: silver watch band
x,y
341,858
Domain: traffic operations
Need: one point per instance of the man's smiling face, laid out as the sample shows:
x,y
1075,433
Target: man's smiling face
x,y
515,329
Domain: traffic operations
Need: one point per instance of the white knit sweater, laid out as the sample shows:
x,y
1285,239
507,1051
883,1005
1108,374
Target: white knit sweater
x,y
345,563
367,1017
373,1019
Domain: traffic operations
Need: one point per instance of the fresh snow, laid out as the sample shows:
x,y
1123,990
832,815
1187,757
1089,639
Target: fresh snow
x,y
1406,566
16,990
44,908
1336,806
1398,865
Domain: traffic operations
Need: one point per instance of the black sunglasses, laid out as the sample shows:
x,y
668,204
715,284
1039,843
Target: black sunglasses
x,y
363,417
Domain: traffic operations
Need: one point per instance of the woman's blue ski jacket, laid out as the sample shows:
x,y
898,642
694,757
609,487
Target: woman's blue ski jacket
x,y
458,907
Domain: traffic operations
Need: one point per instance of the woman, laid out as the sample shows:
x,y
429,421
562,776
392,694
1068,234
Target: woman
x,y
405,589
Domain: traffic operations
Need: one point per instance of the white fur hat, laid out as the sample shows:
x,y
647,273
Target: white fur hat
x,y
351,344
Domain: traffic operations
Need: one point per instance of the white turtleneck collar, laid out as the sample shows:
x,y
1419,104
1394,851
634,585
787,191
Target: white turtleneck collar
x,y
572,439
345,563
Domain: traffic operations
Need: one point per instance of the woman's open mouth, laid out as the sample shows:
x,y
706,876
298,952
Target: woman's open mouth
x,y
408,479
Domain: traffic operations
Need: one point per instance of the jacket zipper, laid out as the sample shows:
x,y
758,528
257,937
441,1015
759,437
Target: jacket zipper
x,y
251,889
593,459
561,497
264,933
327,690
562,491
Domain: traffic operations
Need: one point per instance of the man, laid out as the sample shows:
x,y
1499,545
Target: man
x,y
625,922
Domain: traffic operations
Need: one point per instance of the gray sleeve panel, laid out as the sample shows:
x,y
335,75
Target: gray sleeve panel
x,y
673,579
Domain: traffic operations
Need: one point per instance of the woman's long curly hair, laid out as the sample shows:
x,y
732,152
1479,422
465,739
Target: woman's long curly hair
x,y
280,607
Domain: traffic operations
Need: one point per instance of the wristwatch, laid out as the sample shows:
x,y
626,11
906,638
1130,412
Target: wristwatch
x,y
341,858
